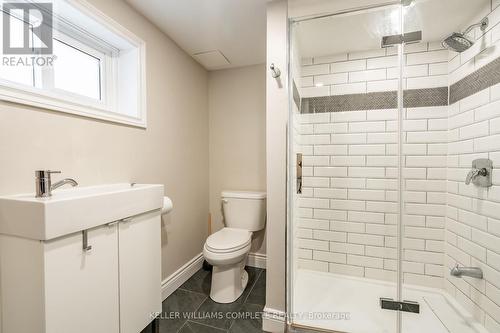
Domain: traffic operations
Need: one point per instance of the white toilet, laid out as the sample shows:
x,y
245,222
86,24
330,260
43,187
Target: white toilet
x,y
227,249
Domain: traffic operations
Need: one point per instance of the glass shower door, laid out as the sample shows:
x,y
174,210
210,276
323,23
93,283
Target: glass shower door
x,y
385,229
344,157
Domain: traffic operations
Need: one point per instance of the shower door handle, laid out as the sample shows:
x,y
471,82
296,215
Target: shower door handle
x,y
298,167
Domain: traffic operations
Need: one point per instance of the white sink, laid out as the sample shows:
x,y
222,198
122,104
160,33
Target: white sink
x,y
71,210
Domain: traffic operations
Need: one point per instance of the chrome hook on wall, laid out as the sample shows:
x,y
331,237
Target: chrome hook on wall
x,y
276,71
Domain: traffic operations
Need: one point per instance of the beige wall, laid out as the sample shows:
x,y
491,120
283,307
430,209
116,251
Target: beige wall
x,y
237,127
172,151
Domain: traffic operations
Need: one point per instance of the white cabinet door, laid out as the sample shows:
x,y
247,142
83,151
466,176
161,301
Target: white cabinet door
x,y
81,287
140,270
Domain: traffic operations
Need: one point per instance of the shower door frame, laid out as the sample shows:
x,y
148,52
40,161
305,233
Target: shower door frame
x,y
291,165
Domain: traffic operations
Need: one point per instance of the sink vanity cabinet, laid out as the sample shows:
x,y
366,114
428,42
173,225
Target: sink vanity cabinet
x,y
79,282
139,271
59,284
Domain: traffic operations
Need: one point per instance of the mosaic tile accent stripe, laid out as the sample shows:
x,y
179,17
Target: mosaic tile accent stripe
x,y
483,78
376,100
351,102
414,98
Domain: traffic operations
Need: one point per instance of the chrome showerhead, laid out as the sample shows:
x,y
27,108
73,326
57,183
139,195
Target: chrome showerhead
x,y
459,42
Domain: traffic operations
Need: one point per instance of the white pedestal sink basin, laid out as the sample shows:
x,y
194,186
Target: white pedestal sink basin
x,y
71,210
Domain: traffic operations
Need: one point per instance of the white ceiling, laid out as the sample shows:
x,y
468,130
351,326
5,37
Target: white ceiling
x,y
361,31
237,28
307,8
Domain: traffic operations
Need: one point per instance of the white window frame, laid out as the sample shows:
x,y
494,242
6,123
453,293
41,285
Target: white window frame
x,y
111,101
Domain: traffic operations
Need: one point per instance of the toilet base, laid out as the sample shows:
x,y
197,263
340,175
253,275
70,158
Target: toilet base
x,y
228,282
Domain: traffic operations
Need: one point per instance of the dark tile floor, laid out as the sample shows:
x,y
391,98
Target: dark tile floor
x,y
190,310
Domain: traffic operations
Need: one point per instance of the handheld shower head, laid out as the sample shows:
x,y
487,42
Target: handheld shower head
x,y
459,42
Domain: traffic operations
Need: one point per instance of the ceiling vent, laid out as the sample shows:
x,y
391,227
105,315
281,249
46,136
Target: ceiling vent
x,y
212,59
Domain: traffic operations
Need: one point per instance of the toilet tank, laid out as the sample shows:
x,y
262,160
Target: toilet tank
x,y
244,210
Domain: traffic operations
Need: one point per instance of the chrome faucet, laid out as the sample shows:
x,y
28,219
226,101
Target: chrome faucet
x,y
43,183
474,272
480,174
475,173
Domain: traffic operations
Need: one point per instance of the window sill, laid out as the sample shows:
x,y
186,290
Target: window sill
x,y
45,100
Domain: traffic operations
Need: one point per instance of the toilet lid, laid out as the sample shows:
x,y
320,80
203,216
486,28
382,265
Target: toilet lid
x,y
228,240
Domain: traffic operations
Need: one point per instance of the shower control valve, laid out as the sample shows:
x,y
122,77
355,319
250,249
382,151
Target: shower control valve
x,y
480,174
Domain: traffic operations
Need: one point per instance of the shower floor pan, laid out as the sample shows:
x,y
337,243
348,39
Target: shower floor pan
x,y
342,303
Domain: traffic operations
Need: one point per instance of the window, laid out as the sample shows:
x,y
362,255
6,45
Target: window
x,y
21,74
75,63
95,67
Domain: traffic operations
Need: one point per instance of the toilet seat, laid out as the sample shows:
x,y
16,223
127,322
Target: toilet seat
x,y
228,240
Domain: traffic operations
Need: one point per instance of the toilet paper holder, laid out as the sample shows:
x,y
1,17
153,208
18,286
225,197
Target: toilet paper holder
x,y
167,206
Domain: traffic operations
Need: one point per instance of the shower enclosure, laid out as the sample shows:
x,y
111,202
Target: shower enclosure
x,y
393,181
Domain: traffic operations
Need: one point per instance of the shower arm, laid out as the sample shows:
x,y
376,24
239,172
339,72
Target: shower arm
x,y
483,24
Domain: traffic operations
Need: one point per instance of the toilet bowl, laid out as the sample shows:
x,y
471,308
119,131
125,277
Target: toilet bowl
x,y
227,249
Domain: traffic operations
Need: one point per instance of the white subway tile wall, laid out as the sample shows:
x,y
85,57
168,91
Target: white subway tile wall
x,y
374,71
348,210
473,213
350,198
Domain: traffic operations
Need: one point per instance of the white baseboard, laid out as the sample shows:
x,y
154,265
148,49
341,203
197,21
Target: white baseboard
x,y
256,260
175,280
273,320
